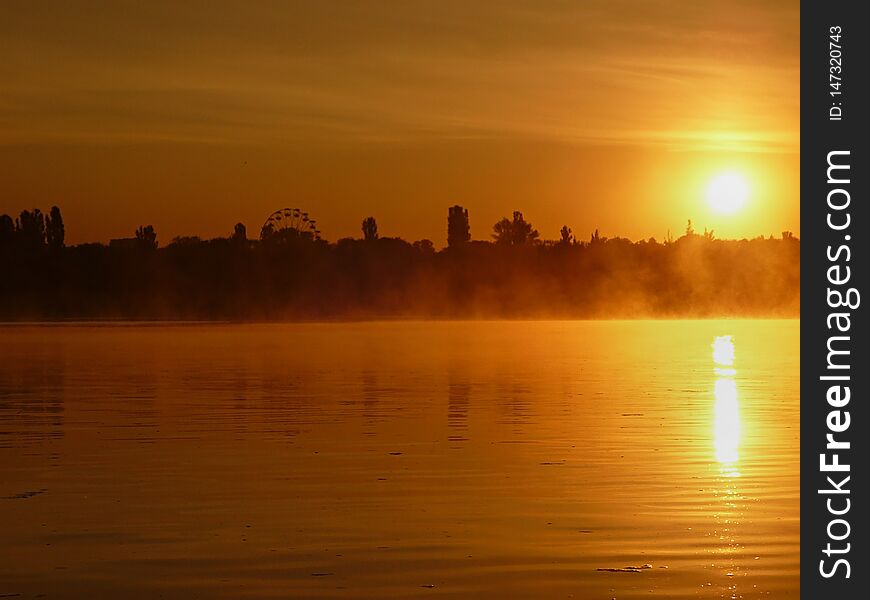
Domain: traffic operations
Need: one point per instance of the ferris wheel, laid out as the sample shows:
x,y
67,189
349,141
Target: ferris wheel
x,y
290,222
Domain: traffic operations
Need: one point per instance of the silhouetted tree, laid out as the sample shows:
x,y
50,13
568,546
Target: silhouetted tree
x,y
690,231
502,231
54,229
147,237
370,229
186,240
240,234
514,232
458,228
30,229
566,236
7,231
425,246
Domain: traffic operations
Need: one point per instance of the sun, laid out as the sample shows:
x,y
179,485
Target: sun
x,y
727,193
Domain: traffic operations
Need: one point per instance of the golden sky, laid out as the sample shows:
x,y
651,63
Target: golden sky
x,y
193,115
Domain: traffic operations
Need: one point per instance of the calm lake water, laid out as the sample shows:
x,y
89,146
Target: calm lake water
x,y
401,460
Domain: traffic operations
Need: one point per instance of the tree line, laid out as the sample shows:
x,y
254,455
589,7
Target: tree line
x,y
292,273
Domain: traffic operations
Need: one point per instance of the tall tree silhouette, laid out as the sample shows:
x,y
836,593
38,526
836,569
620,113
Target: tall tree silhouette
x,y
370,229
690,230
566,236
458,228
30,229
147,237
515,232
595,238
7,231
54,229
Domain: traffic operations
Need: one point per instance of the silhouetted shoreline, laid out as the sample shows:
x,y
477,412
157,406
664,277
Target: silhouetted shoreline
x,y
294,275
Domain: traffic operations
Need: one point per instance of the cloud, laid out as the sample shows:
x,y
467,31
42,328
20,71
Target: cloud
x,y
678,75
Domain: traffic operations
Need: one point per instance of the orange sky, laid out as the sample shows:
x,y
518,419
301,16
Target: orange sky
x,y
604,113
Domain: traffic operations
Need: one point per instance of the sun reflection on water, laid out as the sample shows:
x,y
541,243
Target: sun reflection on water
x,y
726,423
723,351
726,443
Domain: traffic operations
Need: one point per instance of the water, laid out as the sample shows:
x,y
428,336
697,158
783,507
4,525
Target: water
x,y
400,460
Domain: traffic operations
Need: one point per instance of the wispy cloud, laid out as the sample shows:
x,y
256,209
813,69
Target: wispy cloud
x,y
680,74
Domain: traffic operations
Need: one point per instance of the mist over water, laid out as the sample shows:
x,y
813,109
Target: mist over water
x,y
289,275
376,460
